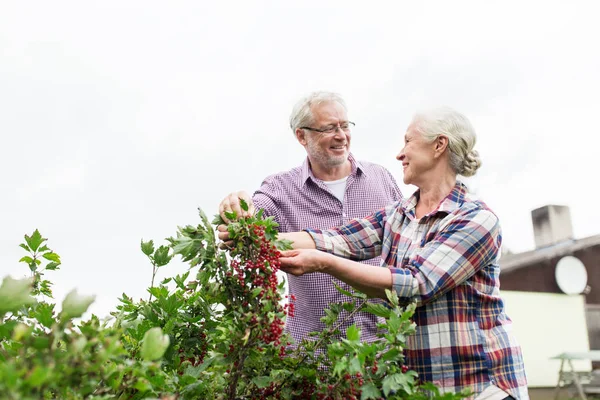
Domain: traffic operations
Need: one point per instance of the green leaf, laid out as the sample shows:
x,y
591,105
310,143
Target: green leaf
x,y
392,297
232,216
158,292
195,371
256,291
353,333
51,256
24,246
33,267
78,344
44,314
283,244
393,323
147,247
340,367
41,343
377,309
261,381
15,293
243,204
154,344
45,288
142,385
35,240
354,366
38,376
357,295
398,381
26,259
389,385
186,246
369,391
391,355
74,304
20,330
217,220
161,256
52,266
341,290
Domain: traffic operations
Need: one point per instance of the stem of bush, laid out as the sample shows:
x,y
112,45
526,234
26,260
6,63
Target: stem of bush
x,y
152,283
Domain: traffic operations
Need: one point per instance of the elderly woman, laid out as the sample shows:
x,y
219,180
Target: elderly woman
x,y
440,248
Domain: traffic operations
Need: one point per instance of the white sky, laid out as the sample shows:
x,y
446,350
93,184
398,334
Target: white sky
x,y
118,119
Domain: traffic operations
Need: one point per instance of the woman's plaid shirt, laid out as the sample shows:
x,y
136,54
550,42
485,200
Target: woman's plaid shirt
x,y
446,261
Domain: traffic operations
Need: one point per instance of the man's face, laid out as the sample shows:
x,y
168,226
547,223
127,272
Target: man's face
x,y
327,149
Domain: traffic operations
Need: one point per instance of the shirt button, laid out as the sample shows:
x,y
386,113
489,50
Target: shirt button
x,y
344,215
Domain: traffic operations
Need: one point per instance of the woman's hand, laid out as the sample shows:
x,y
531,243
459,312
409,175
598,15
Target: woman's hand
x,y
300,262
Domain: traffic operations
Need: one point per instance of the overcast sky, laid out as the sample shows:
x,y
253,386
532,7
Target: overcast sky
x,y
119,119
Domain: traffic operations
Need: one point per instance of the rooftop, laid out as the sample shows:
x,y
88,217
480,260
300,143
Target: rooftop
x,y
511,262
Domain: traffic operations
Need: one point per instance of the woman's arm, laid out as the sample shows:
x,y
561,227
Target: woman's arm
x,y
300,240
359,239
469,242
369,279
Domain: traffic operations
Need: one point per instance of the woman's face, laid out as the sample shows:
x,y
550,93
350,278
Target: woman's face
x,y
417,157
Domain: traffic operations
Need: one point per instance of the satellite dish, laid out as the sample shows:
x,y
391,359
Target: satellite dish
x,y
571,275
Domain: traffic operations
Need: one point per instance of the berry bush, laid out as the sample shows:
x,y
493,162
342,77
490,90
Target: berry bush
x,y
216,331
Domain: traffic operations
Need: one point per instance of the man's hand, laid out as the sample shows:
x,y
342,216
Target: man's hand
x,y
300,262
224,236
231,204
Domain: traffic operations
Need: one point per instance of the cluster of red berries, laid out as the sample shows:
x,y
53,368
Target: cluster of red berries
x,y
289,307
273,332
355,383
203,348
306,390
257,269
269,392
255,266
375,367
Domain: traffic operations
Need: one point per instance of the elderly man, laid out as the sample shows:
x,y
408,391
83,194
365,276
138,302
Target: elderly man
x,y
329,189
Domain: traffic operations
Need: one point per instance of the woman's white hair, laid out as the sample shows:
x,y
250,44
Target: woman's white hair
x,y
302,114
460,133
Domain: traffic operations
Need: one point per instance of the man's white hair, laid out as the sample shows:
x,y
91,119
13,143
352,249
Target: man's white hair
x,y
432,123
302,114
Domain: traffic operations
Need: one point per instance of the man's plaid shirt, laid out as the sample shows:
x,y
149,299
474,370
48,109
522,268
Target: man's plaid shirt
x,y
298,200
446,261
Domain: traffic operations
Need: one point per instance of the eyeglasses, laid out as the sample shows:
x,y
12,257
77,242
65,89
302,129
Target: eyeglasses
x,y
344,127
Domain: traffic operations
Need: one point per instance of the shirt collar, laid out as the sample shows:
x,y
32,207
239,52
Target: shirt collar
x,y
306,171
450,203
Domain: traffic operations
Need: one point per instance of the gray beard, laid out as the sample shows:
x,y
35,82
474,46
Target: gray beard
x,y
319,156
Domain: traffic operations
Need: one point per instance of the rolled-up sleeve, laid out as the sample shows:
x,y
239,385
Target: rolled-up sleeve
x,y
360,239
467,242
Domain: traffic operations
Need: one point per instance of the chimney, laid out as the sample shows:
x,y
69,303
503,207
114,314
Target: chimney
x,y
551,225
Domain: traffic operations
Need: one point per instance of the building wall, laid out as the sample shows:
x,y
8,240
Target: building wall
x,y
590,257
539,277
592,316
546,325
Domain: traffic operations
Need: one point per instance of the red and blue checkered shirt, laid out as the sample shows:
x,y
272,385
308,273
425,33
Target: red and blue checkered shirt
x,y
446,261
298,201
